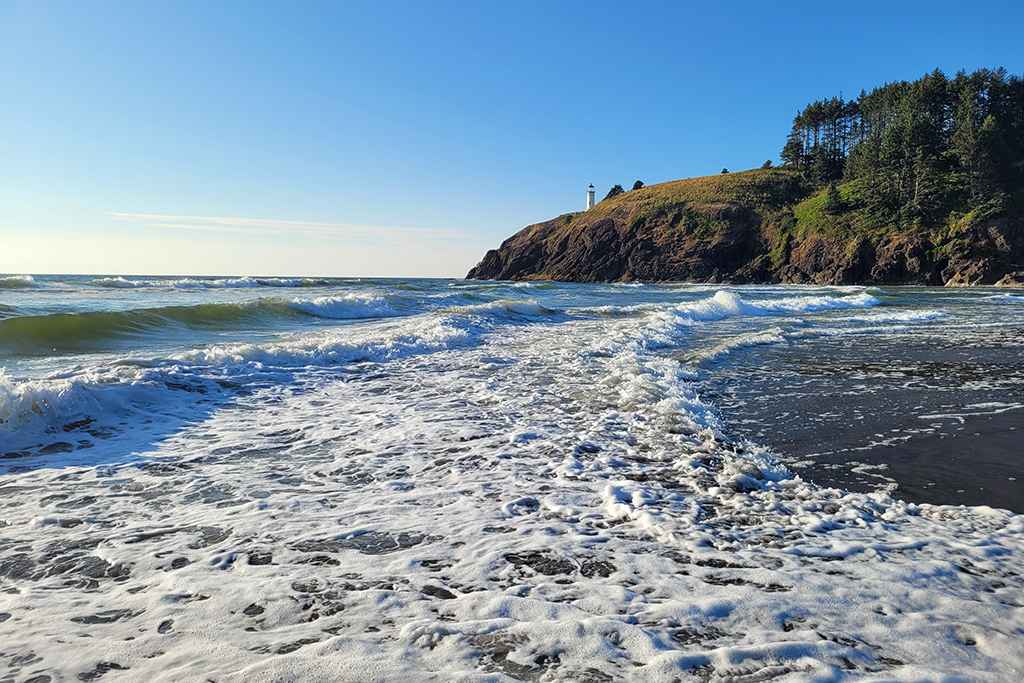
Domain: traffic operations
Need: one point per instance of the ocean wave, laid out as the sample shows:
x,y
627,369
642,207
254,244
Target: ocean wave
x,y
897,316
71,332
80,331
541,284
508,309
120,282
667,324
32,408
17,282
439,330
726,304
811,304
36,401
346,307
343,346
774,335
1007,297
176,386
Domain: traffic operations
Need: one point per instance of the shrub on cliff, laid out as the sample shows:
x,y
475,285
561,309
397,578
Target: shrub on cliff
x,y
614,192
833,201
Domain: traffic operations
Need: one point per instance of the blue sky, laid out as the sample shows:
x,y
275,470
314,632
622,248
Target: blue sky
x,y
406,138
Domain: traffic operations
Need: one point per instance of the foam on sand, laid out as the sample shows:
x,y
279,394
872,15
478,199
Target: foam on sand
x,y
504,492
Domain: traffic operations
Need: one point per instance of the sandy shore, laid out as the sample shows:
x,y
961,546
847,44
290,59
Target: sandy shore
x,y
941,425
978,462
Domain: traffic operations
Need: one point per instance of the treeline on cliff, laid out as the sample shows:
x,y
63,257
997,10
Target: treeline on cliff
x,y
913,182
917,154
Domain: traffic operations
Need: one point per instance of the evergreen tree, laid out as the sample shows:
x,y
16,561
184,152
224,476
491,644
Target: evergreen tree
x,y
637,185
833,200
917,151
614,192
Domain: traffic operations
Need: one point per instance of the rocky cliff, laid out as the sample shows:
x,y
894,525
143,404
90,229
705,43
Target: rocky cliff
x,y
753,226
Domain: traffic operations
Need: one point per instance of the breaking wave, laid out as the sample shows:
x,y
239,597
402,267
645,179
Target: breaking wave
x,y
120,282
71,332
17,282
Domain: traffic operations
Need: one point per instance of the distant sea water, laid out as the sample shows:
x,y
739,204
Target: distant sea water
x,y
249,479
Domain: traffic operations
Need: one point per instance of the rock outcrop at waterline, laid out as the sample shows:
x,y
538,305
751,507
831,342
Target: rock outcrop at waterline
x,y
750,227
608,249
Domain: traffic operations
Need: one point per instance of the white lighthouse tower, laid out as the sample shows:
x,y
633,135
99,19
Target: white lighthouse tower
x,y
590,197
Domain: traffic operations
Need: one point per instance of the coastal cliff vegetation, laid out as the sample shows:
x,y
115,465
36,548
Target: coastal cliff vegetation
x,y
913,182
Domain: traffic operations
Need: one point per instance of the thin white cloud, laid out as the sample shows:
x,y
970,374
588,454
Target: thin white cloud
x,y
333,232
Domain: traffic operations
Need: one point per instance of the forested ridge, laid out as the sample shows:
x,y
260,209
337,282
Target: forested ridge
x,y
913,182
917,154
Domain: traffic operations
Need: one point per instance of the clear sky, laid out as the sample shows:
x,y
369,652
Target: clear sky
x,y
407,138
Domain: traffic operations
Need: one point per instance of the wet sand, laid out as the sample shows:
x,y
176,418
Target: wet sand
x,y
980,462
941,425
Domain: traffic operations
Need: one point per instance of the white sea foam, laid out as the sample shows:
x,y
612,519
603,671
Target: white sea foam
x,y
17,282
804,304
30,408
506,309
426,334
44,411
28,401
1007,297
192,283
120,282
346,307
897,316
723,304
773,335
668,324
726,304
495,492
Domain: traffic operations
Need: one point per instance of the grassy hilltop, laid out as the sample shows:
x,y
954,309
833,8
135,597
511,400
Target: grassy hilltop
x,y
764,225
917,182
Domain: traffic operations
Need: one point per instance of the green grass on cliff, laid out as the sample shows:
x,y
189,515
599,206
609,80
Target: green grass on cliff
x,y
812,219
679,203
854,224
763,190
789,206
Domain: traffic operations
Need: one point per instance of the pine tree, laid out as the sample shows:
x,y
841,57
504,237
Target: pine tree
x,y
614,192
833,200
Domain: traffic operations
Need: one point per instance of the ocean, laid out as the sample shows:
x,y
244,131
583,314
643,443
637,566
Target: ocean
x,y
335,479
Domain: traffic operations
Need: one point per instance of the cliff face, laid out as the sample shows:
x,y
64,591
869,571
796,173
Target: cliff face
x,y
605,248
734,229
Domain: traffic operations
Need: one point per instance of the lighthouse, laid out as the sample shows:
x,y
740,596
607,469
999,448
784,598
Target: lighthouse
x,y
590,197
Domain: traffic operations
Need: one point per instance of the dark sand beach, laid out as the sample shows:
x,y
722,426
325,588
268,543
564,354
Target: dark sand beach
x,y
933,423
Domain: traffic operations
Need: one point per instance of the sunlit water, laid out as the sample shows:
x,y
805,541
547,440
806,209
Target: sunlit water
x,y
276,479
